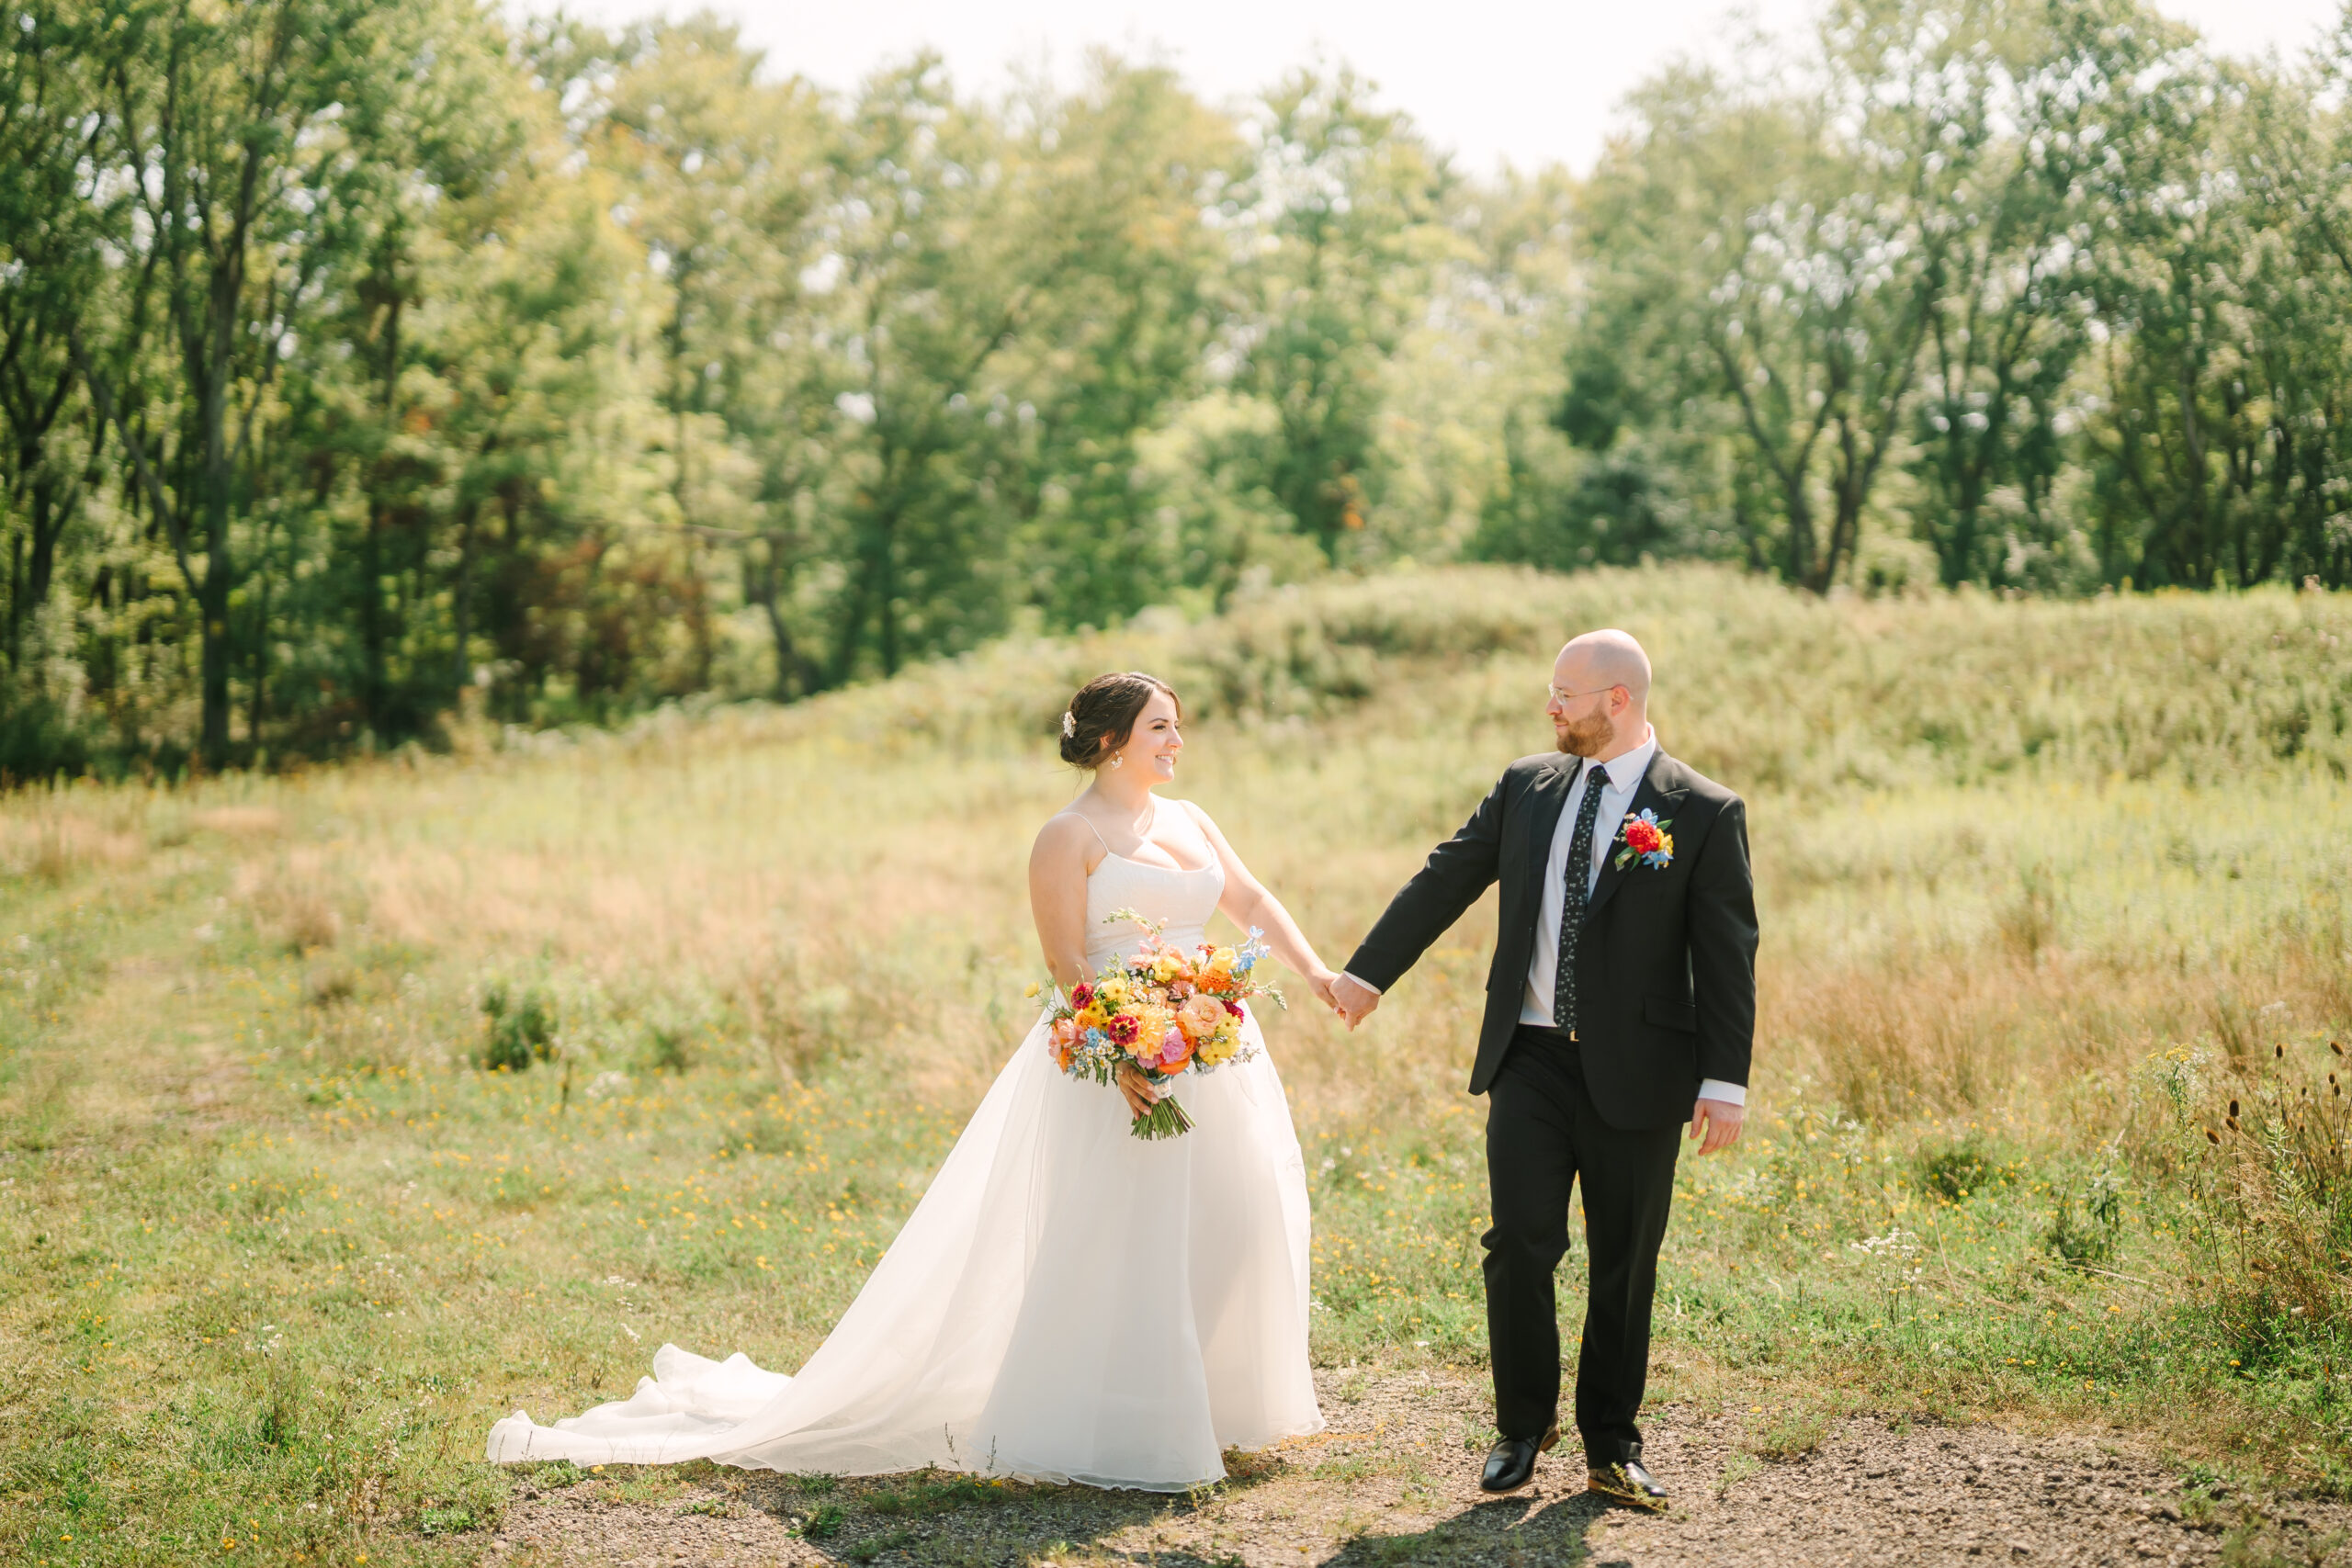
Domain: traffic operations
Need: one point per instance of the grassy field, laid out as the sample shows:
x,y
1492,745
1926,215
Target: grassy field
x,y
2055,943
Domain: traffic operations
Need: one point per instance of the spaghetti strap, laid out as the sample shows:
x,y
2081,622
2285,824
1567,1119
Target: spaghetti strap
x,y
1090,827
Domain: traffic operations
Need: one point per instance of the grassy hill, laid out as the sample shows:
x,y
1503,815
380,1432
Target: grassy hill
x,y
2047,888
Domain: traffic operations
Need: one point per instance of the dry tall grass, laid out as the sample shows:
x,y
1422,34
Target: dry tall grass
x,y
2000,846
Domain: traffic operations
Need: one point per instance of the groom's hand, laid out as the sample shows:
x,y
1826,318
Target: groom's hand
x,y
1354,999
1717,1122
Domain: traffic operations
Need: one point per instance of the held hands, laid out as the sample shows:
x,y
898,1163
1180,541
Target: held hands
x,y
1323,983
1717,1120
1320,984
1352,999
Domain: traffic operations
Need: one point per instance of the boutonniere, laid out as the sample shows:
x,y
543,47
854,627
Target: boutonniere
x,y
1645,839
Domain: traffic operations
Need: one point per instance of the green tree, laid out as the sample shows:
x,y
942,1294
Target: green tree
x,y
725,173
1951,93
1336,223
49,271
242,133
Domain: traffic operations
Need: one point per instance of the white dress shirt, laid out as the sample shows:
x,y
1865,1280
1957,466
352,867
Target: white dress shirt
x,y
1623,774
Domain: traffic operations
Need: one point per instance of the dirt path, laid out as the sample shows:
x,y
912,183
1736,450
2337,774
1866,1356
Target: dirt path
x,y
1393,1481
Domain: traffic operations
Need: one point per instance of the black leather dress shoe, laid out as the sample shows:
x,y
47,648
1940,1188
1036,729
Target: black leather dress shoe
x,y
1629,1483
1511,1464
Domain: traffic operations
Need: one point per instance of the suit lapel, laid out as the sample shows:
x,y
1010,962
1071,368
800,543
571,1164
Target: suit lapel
x,y
1655,793
1546,796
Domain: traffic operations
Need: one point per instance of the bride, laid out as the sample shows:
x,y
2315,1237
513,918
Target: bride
x,y
1066,1303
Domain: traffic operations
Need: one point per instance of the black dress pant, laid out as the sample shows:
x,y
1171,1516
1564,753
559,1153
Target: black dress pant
x,y
1543,1135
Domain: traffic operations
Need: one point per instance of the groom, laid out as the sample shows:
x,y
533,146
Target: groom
x,y
1622,1003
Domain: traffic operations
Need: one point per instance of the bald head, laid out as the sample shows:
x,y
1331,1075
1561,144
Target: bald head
x,y
1604,659
1600,695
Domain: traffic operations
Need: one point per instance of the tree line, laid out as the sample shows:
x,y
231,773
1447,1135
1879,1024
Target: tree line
x,y
372,366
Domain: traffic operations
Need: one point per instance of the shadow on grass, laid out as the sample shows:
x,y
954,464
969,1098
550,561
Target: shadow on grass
x,y
926,1516
1510,1530
944,1518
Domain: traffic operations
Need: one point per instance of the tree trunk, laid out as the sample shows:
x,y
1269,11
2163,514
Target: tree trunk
x,y
16,596
212,594
257,697
375,684
371,619
461,672
213,609
764,586
1799,568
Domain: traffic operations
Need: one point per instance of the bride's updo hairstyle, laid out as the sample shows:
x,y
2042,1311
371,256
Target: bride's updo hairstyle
x,y
1101,717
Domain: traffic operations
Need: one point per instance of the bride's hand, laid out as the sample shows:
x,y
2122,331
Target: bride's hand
x,y
1320,984
1141,1095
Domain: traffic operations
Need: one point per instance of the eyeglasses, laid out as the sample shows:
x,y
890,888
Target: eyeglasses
x,y
1559,696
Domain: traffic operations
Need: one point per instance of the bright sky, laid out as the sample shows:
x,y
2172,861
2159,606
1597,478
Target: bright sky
x,y
1529,81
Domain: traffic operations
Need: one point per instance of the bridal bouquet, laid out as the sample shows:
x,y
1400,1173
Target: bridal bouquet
x,y
1162,1007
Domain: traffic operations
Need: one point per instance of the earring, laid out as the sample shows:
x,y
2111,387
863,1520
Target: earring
x,y
1116,760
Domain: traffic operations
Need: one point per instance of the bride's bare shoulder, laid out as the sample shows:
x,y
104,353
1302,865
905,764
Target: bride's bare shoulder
x,y
1201,818
1066,833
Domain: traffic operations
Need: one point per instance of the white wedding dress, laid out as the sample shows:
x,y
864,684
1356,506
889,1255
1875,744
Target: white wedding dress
x,y
1066,1303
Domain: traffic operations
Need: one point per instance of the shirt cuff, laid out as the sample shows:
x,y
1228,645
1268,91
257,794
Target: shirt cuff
x,y
1729,1093
1360,981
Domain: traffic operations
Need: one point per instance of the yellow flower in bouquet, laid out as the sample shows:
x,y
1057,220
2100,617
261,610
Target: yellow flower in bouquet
x,y
1219,967
1168,965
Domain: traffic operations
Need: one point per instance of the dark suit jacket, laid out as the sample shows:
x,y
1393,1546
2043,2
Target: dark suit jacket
x,y
1666,969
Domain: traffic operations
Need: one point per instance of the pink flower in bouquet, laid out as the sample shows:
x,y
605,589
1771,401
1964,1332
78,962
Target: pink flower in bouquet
x,y
1079,995
1066,1031
1201,1016
1174,1050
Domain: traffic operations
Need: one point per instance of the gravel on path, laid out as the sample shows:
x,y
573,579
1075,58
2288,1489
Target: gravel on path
x,y
1394,1482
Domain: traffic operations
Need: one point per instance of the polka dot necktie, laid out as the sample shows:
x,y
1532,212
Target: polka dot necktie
x,y
1577,876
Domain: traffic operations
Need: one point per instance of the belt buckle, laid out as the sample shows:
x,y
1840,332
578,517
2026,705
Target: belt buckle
x,y
1572,1038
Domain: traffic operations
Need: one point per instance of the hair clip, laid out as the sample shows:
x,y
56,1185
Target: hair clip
x,y
1069,725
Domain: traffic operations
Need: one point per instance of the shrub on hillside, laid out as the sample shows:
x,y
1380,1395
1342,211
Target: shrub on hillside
x,y
1758,685
518,1026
